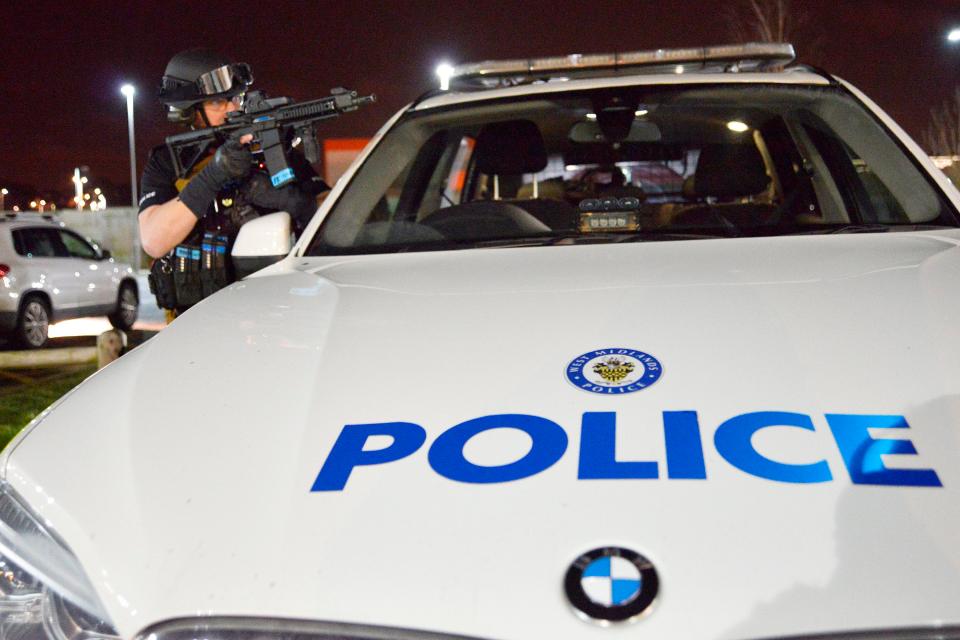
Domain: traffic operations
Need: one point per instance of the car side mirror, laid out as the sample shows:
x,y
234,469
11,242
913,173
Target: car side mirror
x,y
262,242
105,254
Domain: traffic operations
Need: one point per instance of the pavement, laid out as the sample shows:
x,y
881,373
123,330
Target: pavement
x,y
75,341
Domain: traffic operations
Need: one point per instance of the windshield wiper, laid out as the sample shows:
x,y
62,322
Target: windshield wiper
x,y
533,240
649,234
872,228
860,228
593,238
575,237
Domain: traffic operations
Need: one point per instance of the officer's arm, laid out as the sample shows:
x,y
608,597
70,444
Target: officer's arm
x,y
164,226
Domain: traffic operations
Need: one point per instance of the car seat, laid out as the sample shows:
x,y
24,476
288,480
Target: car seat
x,y
727,175
515,148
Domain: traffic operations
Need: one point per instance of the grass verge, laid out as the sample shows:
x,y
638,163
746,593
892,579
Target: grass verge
x,y
24,394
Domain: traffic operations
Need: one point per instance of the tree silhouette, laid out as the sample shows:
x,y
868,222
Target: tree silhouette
x,y
772,21
942,136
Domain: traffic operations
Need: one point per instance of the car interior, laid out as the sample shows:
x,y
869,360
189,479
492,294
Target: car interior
x,y
681,163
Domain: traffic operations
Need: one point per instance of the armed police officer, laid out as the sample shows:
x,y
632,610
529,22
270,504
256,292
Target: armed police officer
x,y
223,188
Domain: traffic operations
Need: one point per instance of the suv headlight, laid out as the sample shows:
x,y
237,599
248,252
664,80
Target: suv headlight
x,y
44,592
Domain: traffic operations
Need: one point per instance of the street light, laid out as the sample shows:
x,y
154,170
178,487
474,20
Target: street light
x,y
128,90
444,72
3,197
954,35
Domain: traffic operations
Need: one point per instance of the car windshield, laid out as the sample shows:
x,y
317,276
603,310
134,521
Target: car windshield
x,y
627,164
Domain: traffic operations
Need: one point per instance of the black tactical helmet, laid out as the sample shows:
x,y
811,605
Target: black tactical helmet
x,y
200,74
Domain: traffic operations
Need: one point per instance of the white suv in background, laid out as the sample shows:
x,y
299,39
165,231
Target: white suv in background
x,y
49,273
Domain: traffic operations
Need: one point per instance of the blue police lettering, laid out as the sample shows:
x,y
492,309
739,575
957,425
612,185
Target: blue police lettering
x,y
733,442
549,444
348,451
598,436
861,454
681,432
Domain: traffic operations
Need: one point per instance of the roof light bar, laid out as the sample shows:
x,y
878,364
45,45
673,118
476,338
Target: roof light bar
x,y
753,56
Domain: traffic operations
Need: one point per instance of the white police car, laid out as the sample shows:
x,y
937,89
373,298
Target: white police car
x,y
659,345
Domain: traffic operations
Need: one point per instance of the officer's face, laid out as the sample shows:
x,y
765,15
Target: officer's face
x,y
217,110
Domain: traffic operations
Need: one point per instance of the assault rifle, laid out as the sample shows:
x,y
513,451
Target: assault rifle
x,y
269,121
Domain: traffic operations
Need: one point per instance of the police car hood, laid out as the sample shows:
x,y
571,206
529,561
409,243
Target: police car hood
x,y
181,475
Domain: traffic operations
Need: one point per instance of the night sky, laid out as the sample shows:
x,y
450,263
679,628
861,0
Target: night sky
x,y
63,63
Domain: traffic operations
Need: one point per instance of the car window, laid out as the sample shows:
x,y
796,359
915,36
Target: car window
x,y
40,242
76,246
18,243
636,162
860,187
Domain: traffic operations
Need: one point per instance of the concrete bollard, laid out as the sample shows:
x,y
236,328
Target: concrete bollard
x,y
110,346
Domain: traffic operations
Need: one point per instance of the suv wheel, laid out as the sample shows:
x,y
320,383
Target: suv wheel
x,y
33,323
128,304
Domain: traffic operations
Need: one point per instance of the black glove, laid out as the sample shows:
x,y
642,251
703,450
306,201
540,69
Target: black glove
x,y
290,198
233,161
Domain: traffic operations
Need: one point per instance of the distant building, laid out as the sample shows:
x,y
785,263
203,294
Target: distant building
x,y
338,153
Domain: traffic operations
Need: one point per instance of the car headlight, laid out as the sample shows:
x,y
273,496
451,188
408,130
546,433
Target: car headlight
x,y
44,592
264,629
261,629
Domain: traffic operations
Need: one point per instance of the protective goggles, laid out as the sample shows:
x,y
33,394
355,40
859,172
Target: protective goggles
x,y
230,78
225,78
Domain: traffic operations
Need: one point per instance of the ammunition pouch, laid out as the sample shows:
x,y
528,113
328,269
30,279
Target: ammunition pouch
x,y
186,275
215,267
191,273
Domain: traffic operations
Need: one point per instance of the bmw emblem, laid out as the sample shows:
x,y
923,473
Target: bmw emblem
x,y
611,584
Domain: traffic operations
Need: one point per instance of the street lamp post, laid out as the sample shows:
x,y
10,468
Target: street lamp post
x,y
3,198
78,182
128,90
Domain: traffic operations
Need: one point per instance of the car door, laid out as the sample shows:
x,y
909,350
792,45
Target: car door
x,y
96,283
49,267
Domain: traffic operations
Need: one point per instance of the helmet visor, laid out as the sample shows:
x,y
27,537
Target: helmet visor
x,y
229,77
